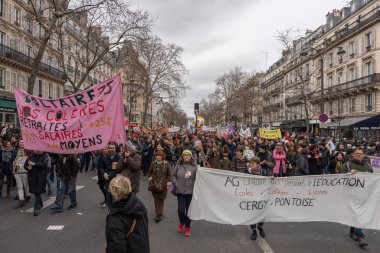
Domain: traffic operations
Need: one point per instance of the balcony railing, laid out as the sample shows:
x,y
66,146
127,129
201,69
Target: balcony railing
x,y
29,61
357,83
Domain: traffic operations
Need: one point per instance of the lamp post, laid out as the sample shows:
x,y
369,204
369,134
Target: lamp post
x,y
130,89
320,52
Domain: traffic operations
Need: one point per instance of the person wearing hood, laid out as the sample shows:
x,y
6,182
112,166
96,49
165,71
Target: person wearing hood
x,y
127,221
129,166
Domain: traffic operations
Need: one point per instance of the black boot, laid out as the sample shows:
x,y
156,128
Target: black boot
x,y
157,218
353,235
254,235
262,233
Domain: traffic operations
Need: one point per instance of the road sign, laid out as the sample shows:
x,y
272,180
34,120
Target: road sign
x,y
323,118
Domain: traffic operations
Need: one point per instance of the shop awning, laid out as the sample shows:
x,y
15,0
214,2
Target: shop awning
x,y
346,122
371,123
298,124
7,105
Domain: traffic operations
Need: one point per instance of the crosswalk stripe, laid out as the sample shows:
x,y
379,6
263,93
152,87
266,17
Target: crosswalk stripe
x,y
51,201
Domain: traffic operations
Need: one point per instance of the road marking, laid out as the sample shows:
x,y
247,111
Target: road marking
x,y
263,244
51,201
95,178
55,227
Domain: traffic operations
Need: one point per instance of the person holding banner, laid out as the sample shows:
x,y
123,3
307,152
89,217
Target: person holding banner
x,y
254,168
183,177
37,171
354,165
68,167
279,155
266,159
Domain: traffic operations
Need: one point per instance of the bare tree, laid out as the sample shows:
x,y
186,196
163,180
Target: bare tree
x,y
300,69
173,114
226,87
164,67
115,18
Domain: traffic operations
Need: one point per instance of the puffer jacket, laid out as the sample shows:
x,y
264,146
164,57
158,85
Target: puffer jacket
x,y
184,184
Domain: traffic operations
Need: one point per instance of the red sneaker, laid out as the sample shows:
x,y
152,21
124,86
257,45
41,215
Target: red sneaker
x,y
187,231
180,228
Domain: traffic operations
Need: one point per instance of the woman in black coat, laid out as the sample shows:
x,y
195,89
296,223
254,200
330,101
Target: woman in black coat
x,y
37,172
127,221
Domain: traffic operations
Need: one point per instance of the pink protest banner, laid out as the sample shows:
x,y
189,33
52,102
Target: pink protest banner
x,y
78,123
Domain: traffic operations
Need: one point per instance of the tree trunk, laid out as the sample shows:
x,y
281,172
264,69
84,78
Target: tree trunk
x,y
41,51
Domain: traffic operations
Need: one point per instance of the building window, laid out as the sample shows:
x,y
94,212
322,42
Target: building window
x,y
2,8
368,41
368,68
2,78
2,37
330,81
369,103
40,88
340,77
17,16
351,49
351,74
58,92
29,51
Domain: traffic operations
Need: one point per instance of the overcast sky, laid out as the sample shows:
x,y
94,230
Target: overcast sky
x,y
220,34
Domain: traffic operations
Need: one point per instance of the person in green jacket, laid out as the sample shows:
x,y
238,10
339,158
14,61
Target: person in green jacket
x,y
357,164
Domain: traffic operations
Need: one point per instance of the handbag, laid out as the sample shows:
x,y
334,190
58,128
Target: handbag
x,y
156,185
173,189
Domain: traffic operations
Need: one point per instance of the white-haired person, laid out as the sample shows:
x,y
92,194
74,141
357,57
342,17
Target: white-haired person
x,y
183,177
127,221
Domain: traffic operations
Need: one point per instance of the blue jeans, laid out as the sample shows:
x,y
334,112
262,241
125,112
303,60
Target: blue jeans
x,y
184,201
324,169
358,232
59,180
48,181
72,192
253,226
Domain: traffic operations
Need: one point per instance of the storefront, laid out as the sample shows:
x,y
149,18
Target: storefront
x,y
356,127
8,112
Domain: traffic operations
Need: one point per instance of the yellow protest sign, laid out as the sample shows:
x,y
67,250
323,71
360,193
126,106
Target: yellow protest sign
x,y
269,134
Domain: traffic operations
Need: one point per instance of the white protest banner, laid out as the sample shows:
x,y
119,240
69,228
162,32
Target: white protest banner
x,y
242,199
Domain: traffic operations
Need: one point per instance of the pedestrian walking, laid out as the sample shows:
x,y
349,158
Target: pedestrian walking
x,y
68,166
6,165
183,177
129,165
37,171
159,173
21,175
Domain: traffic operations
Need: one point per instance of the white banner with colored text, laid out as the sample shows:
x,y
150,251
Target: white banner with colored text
x,y
242,199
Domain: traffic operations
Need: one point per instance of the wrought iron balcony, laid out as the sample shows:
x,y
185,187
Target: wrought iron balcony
x,y
363,82
19,57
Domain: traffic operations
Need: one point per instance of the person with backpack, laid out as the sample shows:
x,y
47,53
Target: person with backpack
x,y
127,221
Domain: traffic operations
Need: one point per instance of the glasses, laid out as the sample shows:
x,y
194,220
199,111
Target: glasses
x,y
358,154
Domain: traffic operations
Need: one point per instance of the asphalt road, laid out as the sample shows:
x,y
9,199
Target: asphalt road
x,y
83,231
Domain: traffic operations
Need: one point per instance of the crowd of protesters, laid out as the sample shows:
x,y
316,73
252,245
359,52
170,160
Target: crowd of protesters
x,y
169,162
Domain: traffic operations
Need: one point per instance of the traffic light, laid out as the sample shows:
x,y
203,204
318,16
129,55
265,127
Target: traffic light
x,y
196,108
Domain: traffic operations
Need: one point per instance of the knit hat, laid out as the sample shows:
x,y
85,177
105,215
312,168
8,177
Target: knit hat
x,y
187,152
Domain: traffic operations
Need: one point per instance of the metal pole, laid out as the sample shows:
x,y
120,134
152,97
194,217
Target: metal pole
x,y
322,105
